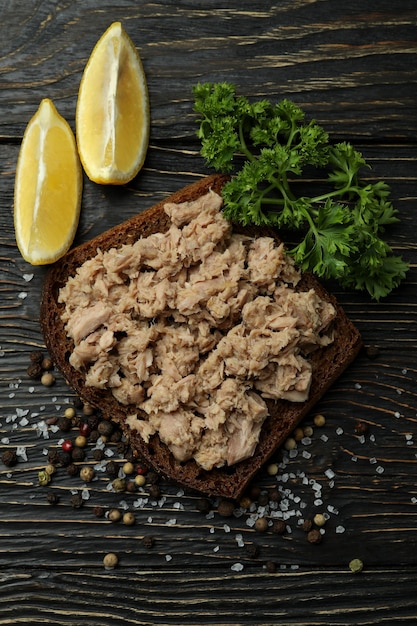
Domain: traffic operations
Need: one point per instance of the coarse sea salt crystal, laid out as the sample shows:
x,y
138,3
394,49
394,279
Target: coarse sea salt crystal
x,y
21,452
339,431
171,522
168,557
22,295
237,567
329,473
380,469
239,541
340,529
216,548
27,277
5,441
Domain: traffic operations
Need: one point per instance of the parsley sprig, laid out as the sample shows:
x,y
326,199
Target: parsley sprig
x,y
340,229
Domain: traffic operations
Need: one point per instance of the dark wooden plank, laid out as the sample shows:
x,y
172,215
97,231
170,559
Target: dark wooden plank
x,y
138,596
350,65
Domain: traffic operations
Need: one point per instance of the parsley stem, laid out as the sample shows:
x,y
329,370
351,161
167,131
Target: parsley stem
x,y
243,145
330,194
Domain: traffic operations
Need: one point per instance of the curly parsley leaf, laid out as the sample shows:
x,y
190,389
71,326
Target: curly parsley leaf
x,y
340,229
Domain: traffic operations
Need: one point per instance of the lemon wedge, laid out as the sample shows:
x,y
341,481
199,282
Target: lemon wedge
x,y
48,187
112,114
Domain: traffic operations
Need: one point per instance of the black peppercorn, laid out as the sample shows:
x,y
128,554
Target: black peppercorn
x,y
52,498
203,505
112,469
98,454
99,511
94,436
72,470
226,508
131,486
36,356
78,454
270,567
275,495
92,421
361,428
148,542
64,458
307,525
314,536
77,501
35,371
53,457
263,498
279,527
9,458
116,437
64,424
154,491
105,428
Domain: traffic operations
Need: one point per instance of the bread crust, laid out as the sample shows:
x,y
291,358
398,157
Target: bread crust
x,y
229,482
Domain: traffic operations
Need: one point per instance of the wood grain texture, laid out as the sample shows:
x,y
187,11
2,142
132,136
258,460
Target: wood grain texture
x,y
352,67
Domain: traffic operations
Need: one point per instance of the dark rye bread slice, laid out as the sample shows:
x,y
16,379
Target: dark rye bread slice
x,y
228,482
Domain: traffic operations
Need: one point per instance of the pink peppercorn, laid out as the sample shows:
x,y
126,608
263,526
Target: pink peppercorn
x,y
85,429
67,445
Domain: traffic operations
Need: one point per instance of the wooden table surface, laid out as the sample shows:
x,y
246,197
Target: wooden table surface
x,y
353,67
